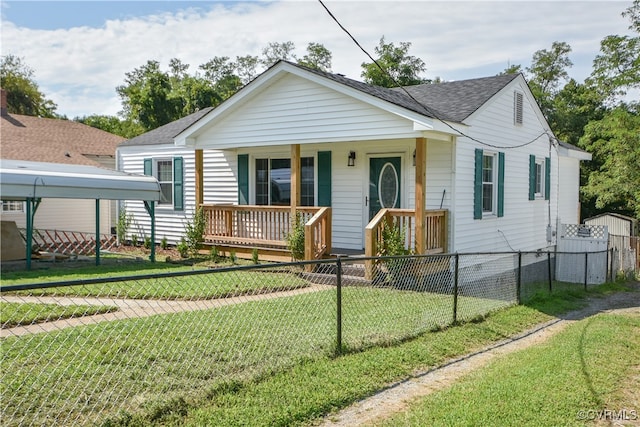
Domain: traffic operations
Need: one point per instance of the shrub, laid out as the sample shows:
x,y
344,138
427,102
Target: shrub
x,y
134,240
295,239
194,231
147,242
183,248
214,254
233,257
123,224
255,256
164,243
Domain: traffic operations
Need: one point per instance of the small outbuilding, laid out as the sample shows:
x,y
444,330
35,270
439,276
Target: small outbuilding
x,y
619,225
31,182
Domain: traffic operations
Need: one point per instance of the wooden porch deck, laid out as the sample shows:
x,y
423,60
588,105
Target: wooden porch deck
x,y
243,228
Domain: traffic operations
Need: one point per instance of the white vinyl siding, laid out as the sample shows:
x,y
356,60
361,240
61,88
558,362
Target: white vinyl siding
x,y
294,110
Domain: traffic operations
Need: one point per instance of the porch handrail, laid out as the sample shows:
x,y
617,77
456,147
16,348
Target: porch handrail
x,y
435,225
317,235
251,224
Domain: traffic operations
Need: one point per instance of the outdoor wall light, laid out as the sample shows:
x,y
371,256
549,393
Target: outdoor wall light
x,y
351,160
414,157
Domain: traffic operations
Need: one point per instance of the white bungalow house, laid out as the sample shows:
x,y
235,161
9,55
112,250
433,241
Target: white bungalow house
x,y
477,155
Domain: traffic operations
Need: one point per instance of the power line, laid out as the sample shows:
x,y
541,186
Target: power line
x,y
429,110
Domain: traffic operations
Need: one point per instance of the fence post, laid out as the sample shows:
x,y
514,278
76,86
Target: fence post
x,y
549,271
339,306
586,269
455,289
519,280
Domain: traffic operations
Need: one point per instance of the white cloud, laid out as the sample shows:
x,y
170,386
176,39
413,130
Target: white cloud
x,y
80,67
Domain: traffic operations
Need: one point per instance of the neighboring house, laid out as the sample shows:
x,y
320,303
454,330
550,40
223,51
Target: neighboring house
x,y
618,225
58,141
480,151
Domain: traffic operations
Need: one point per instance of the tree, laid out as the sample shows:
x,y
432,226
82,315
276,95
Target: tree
x,y
398,68
247,68
614,179
111,124
146,97
512,69
23,95
275,52
318,57
547,71
617,68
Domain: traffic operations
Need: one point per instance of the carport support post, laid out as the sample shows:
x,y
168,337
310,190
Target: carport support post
x,y
150,206
97,231
29,232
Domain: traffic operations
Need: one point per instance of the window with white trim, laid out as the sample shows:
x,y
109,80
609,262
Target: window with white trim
x,y
164,175
539,177
489,179
12,206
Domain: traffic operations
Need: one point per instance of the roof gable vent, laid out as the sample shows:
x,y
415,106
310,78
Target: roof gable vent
x,y
518,99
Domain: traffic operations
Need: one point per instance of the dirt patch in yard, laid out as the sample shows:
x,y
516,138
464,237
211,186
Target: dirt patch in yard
x,y
397,397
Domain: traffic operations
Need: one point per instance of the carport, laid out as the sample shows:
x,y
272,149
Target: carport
x,y
33,181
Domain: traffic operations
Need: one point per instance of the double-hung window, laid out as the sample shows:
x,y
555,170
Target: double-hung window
x,y
170,176
273,182
488,197
539,178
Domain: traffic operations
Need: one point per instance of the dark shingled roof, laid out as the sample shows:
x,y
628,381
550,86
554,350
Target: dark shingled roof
x,y
166,133
451,101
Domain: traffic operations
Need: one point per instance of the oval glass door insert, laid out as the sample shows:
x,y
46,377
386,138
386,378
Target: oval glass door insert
x,y
388,186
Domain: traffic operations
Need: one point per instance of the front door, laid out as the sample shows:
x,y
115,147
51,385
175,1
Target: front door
x,y
384,184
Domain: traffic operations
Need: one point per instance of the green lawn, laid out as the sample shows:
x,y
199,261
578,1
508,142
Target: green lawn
x,y
18,314
149,363
565,381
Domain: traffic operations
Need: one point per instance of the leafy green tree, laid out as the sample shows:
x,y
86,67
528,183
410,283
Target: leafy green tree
x,y
23,95
398,67
318,57
512,69
616,69
111,124
547,71
146,97
614,179
275,52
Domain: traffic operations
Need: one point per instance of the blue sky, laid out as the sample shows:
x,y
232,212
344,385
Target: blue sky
x,y
81,50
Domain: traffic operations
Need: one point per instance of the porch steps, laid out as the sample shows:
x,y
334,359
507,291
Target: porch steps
x,y
352,275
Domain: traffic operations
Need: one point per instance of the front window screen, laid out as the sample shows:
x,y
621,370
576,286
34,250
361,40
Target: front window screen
x,y
165,179
273,182
488,179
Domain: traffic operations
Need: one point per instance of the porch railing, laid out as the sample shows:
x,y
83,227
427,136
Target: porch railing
x,y
317,235
404,219
265,226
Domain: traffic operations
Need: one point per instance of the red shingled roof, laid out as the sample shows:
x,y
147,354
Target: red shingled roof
x,y
53,140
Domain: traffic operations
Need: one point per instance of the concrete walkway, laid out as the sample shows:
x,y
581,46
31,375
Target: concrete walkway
x,y
132,308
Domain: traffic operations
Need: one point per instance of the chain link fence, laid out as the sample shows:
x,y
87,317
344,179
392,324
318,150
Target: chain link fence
x,y
109,350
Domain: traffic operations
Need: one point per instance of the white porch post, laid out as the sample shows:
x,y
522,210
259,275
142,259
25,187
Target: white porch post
x,y
421,193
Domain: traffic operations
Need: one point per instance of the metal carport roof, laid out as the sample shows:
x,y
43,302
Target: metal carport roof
x,y
32,181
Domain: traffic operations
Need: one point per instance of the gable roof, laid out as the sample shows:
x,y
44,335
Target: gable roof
x,y
165,134
54,140
450,101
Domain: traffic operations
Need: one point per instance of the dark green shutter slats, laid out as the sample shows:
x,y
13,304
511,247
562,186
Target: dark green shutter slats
x,y
547,178
243,179
324,178
532,177
148,167
500,184
178,183
477,186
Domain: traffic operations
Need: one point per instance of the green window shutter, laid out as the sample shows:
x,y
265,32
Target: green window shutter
x,y
148,167
243,179
500,184
178,183
324,178
477,185
532,177
547,178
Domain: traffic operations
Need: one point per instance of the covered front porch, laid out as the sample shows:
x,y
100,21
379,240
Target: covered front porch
x,y
246,228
